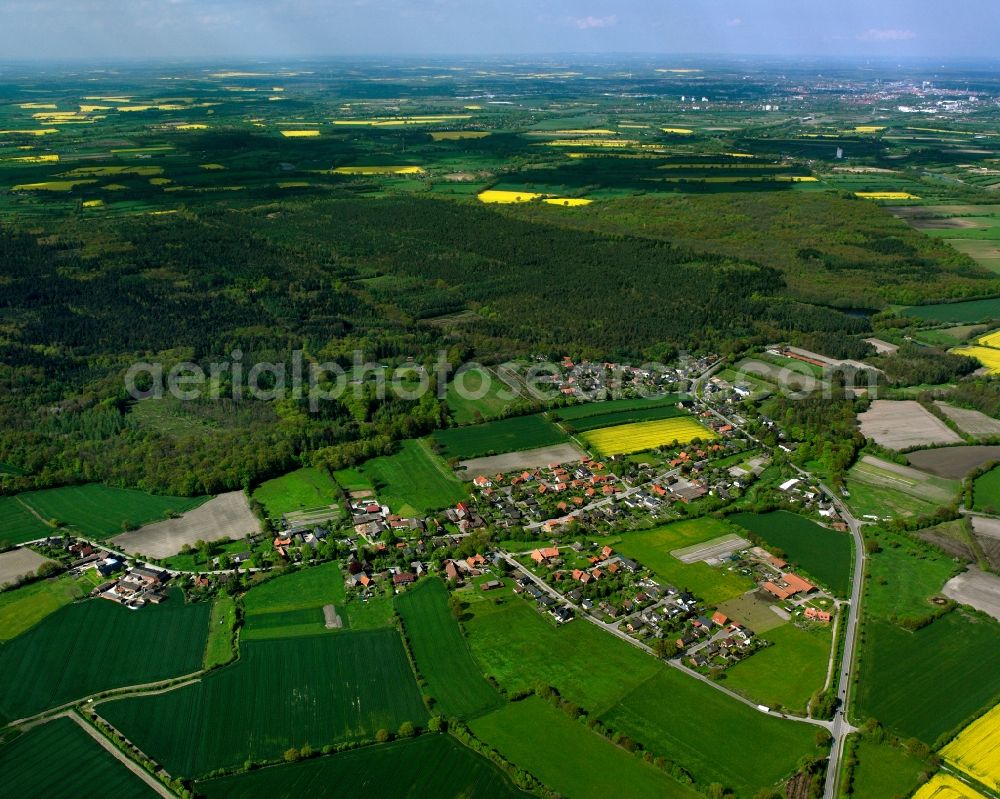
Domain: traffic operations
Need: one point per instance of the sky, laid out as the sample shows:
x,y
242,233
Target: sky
x,y
208,29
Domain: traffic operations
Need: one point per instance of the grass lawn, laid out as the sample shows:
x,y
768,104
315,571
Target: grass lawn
x,y
309,487
219,648
431,765
884,770
101,512
568,757
442,654
24,607
822,553
903,577
869,500
788,672
928,683
472,408
316,690
414,480
714,737
652,549
18,524
58,759
986,492
96,645
311,587
494,438
521,650
352,480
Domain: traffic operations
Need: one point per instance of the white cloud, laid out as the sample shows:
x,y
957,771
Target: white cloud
x,y
886,35
589,23
735,22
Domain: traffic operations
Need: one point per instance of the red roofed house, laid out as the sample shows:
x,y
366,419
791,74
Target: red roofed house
x,y
773,589
404,578
476,561
818,615
544,554
796,584
720,618
482,481
597,573
606,552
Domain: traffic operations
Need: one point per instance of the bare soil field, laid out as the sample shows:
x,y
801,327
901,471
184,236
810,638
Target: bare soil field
x,y
225,516
950,537
953,462
949,223
523,459
975,423
332,618
900,424
883,347
987,533
977,588
17,563
798,379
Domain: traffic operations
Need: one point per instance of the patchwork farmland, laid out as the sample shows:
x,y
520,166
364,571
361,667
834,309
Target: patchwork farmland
x,y
313,690
494,438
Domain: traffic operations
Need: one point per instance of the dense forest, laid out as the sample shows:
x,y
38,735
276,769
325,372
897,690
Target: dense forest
x,y
394,278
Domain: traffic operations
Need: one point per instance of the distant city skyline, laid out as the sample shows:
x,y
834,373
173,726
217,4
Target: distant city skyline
x,y
116,29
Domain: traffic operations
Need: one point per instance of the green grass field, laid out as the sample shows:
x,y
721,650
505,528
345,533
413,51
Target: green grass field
x,y
652,549
928,683
885,502
18,524
219,648
663,411
471,408
352,480
822,553
903,577
986,491
568,757
521,650
25,607
431,765
309,487
788,672
583,410
885,771
443,657
709,734
96,645
101,512
969,311
59,760
504,435
414,480
304,588
310,690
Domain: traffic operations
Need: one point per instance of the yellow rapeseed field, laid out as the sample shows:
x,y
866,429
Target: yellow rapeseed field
x,y
976,751
191,126
35,159
93,203
212,167
500,196
987,356
38,105
403,120
944,786
638,436
299,134
990,339
567,201
452,135
53,185
679,131
36,132
378,170
886,195
868,128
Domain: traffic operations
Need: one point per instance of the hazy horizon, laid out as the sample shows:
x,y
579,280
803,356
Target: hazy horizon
x,y
96,30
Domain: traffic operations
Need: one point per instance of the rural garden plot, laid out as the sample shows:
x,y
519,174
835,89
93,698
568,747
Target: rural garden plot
x,y
877,472
313,690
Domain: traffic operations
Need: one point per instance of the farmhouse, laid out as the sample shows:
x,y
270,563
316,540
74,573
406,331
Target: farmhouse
x,y
544,555
788,585
818,615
